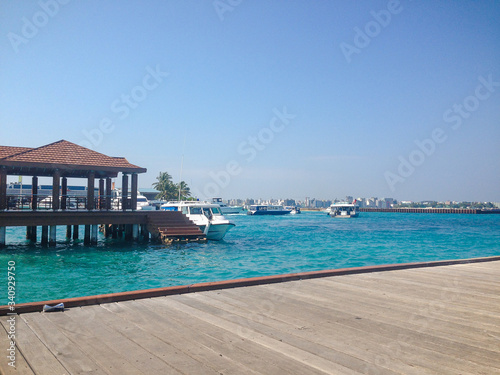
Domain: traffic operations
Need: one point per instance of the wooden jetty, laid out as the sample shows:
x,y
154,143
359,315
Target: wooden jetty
x,y
62,160
434,210
430,318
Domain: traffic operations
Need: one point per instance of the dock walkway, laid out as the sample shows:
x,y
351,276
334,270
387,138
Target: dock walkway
x,y
435,320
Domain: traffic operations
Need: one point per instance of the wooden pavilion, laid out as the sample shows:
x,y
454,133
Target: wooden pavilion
x,y
62,160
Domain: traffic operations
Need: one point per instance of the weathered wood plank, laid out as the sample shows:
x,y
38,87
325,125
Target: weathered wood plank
x,y
39,358
411,340
233,346
72,358
143,359
90,341
159,339
272,342
184,340
419,314
298,331
19,366
375,342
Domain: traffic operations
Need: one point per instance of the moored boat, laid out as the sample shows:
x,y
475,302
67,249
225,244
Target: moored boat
x,y
208,217
267,209
344,210
227,210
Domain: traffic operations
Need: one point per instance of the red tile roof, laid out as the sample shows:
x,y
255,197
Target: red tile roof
x,y
66,155
8,150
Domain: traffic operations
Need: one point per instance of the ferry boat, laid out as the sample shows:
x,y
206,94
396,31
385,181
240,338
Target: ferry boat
x,y
208,216
267,209
344,210
227,210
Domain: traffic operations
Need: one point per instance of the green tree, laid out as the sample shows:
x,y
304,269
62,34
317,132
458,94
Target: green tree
x,y
165,186
183,191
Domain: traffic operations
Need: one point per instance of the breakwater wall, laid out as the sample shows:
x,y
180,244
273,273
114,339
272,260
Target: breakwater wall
x,y
433,210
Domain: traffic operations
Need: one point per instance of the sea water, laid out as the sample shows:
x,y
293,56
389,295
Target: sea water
x,y
257,246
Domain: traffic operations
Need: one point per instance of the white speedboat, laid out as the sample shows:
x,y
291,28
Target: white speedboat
x,y
267,209
293,209
227,210
207,216
142,201
344,210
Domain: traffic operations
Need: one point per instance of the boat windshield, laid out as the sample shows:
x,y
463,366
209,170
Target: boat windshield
x,y
216,211
195,210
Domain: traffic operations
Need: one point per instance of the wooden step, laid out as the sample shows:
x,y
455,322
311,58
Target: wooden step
x,y
173,226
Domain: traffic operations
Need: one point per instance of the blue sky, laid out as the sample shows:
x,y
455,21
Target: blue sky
x,y
265,99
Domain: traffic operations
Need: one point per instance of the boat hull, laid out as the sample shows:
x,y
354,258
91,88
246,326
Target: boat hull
x,y
231,210
216,232
268,212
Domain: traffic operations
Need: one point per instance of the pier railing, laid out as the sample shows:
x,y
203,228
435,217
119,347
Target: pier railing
x,y
70,202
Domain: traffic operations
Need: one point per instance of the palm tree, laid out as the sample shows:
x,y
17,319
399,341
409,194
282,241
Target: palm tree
x,y
165,186
183,191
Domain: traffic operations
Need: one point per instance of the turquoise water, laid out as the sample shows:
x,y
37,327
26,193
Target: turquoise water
x,y
257,246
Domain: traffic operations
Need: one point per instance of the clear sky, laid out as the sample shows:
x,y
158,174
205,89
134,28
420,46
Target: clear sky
x,y
265,99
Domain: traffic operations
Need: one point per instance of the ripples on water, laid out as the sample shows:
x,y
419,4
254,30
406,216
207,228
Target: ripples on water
x,y
257,246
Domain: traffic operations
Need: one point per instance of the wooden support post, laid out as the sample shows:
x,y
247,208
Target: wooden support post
x,y
114,231
93,234
64,193
52,235
75,232
128,232
101,194
144,232
56,177
2,236
108,193
3,188
34,193
28,232
135,232
45,235
33,233
86,238
124,192
68,231
133,193
90,191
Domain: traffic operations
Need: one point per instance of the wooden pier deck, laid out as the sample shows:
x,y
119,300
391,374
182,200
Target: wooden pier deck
x,y
429,320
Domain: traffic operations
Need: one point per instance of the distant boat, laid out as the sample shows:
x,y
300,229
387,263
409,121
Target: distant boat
x,y
208,217
293,210
227,210
344,210
267,209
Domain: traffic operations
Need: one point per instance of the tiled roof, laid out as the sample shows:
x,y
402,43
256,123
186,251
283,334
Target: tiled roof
x,y
64,153
8,150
